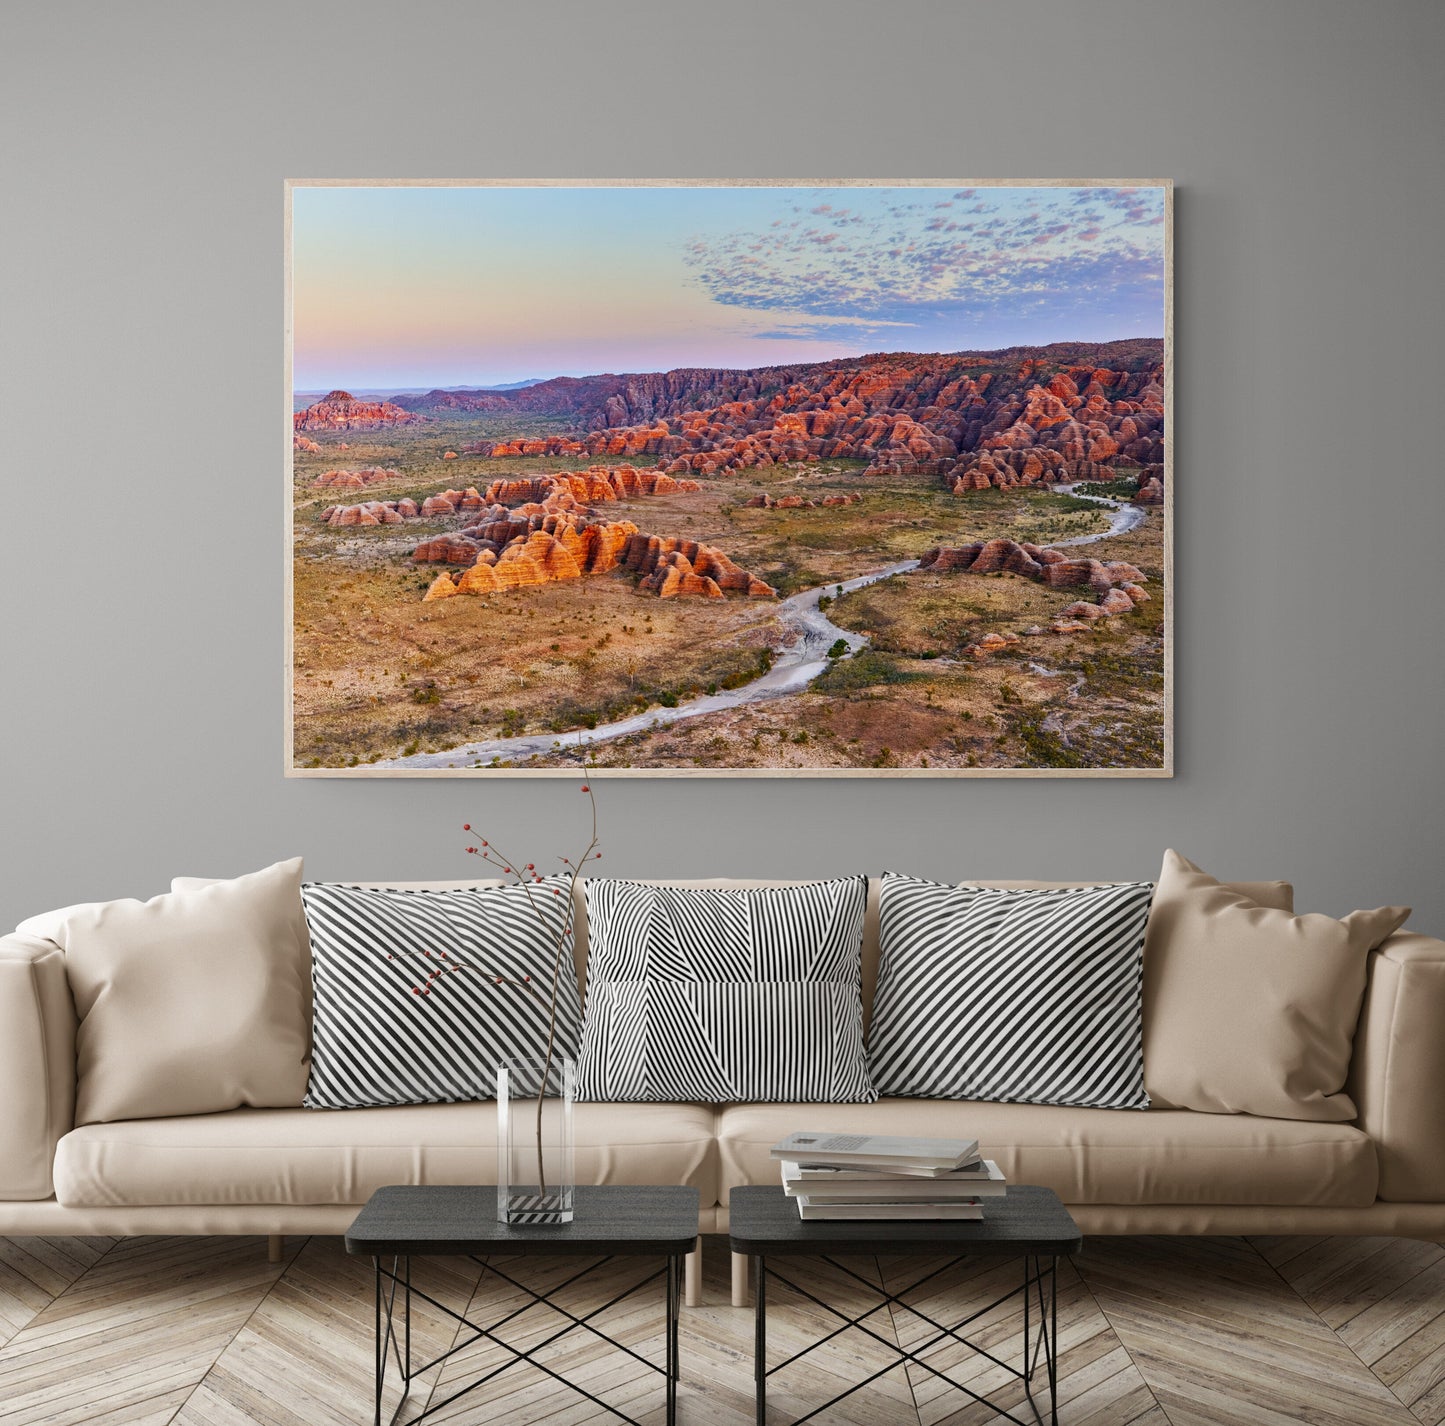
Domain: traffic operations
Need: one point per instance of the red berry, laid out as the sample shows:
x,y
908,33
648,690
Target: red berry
x,y
485,843
466,826
530,867
585,788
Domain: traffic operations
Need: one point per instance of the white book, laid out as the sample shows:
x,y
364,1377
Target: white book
x,y
857,1212
854,1186
879,1172
885,1151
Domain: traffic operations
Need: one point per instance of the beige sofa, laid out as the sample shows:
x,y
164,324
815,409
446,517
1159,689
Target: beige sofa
x,y
290,1171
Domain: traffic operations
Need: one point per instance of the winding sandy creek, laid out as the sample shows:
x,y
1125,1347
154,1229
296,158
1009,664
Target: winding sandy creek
x,y
800,657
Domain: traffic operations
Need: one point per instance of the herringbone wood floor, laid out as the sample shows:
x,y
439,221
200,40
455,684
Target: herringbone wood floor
x,y
1153,1332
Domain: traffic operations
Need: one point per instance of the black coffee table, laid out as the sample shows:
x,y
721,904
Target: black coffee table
x,y
404,1222
1029,1223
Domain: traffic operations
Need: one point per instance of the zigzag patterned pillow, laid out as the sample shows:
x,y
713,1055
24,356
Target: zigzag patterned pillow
x,y
725,995
407,1006
1025,996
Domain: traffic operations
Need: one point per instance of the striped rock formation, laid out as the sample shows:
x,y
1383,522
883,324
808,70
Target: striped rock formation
x,y
1118,584
594,485
356,479
798,502
1151,486
341,411
1003,469
668,567
447,549
453,502
674,575
645,553
370,512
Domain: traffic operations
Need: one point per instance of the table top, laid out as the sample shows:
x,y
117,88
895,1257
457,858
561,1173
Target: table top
x,y
413,1220
1028,1219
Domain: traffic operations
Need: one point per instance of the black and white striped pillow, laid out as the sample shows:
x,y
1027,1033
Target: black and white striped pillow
x,y
723,995
407,1008
1025,996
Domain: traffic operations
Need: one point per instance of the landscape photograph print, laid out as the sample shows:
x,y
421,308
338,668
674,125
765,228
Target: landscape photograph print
x,y
829,479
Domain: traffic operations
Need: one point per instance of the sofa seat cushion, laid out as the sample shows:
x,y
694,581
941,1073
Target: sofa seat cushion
x,y
301,1156
1092,1155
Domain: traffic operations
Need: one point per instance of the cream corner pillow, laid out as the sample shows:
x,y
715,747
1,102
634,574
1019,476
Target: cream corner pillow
x,y
1249,1009
190,1003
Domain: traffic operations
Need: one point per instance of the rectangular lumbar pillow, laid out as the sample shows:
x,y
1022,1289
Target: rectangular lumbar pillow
x,y
190,1003
408,1004
1024,996
1247,1009
725,995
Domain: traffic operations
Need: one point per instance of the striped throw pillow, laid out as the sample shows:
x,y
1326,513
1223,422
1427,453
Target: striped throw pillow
x,y
724,995
407,1008
1024,996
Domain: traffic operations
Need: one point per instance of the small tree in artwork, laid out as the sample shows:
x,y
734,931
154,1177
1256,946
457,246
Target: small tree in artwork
x,y
528,878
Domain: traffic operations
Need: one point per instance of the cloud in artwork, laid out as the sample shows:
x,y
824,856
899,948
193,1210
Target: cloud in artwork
x,y
970,259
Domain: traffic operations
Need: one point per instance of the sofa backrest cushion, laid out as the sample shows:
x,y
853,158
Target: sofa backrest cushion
x,y
1248,1009
1027,996
725,994
420,993
190,1003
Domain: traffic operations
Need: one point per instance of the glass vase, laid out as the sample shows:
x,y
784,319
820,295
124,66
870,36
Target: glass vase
x,y
536,1172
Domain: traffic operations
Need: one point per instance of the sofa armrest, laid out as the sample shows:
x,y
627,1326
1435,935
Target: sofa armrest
x,y
1397,1073
37,1063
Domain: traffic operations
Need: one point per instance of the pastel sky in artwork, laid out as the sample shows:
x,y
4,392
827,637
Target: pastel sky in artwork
x,y
410,287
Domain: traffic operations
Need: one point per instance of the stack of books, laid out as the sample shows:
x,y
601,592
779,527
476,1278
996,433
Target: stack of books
x,y
863,1176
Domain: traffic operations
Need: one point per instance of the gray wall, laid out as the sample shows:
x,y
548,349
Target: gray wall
x,y
140,376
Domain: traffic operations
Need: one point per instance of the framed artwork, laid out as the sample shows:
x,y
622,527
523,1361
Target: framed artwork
x,y
825,478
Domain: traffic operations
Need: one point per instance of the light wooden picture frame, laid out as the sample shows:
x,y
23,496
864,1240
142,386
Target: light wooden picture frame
x,y
806,478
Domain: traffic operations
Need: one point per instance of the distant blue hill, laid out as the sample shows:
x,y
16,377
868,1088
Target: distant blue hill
x,y
302,399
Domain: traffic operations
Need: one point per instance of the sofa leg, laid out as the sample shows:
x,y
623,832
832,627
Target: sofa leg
x,y
273,1247
692,1277
740,1279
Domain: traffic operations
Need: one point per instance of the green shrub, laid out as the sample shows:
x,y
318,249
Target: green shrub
x,y
866,669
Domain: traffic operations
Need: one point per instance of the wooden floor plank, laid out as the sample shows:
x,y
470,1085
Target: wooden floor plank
x,y
1220,1338
1410,1308
35,1271
1096,1379
1385,1299
130,1340
306,1355
1152,1332
1342,1277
